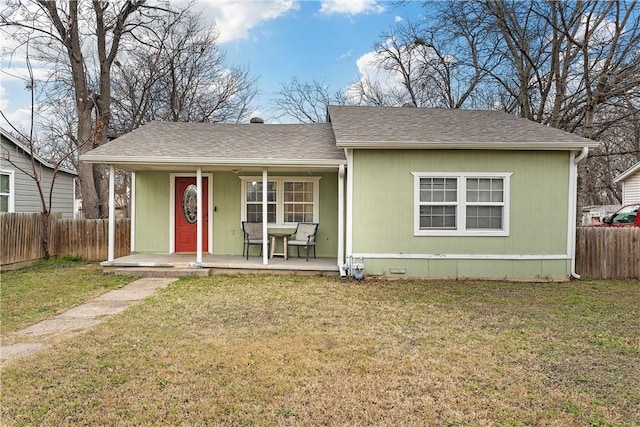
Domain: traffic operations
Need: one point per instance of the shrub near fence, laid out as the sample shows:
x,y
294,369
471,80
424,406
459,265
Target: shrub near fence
x,y
608,252
21,238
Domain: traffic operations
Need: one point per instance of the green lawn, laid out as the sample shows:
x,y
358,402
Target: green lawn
x,y
49,287
287,350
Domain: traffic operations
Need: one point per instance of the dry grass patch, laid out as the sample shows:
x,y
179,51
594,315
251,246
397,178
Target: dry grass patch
x,y
315,351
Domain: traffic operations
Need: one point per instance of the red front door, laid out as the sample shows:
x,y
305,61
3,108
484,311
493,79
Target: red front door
x,y
187,214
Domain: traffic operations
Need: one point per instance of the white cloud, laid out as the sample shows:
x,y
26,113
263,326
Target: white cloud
x,y
347,54
234,19
350,7
4,99
398,19
372,75
20,118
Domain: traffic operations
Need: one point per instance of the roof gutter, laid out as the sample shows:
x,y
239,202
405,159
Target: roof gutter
x,y
468,145
573,197
190,161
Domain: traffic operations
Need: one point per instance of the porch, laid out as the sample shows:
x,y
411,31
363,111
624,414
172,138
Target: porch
x,y
184,264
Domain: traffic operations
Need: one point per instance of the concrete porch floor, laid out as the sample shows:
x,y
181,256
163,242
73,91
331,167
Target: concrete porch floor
x,y
184,264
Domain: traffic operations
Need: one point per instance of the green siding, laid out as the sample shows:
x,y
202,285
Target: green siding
x,y
153,204
227,226
152,212
459,268
383,206
327,239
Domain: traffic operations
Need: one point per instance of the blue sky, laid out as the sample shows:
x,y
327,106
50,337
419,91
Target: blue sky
x,y
277,40
309,44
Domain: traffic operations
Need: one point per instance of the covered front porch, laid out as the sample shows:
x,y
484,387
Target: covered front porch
x,y
184,264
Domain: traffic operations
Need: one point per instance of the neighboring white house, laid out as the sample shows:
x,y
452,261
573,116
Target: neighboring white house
x,y
18,191
630,180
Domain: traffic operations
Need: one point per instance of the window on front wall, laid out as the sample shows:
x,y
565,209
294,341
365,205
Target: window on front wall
x,y
450,204
253,198
6,196
289,200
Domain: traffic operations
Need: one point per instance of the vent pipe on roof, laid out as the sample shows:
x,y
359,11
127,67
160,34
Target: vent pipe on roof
x,y
256,120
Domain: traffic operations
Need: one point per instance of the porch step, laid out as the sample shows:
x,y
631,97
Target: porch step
x,y
160,271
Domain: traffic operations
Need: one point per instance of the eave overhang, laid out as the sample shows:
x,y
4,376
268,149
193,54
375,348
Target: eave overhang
x,y
626,174
421,145
129,162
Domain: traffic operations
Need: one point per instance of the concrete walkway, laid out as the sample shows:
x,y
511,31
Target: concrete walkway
x,y
81,318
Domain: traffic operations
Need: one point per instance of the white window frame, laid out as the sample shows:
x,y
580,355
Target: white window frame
x,y
11,193
279,181
461,204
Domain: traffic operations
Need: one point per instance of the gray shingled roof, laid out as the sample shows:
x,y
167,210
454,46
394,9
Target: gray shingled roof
x,y
171,143
403,127
207,143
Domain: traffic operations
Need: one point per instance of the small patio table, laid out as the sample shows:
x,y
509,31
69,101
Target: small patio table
x,y
285,239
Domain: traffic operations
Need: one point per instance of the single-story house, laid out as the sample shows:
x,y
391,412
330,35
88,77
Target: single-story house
x,y
630,180
18,190
408,191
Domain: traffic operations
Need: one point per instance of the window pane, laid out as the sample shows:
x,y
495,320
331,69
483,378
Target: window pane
x,y
254,212
484,217
434,217
438,190
254,191
4,203
298,201
298,192
485,190
298,213
4,184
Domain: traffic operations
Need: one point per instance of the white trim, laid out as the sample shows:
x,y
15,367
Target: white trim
x,y
210,161
132,212
626,174
27,151
341,215
279,182
461,204
574,159
11,207
265,226
172,208
349,240
464,256
112,213
199,215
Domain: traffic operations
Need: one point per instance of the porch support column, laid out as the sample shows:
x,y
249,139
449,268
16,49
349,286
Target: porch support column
x,y
112,214
132,212
341,215
349,237
265,232
199,221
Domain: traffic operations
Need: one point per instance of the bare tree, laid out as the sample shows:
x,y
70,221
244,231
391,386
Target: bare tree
x,y
182,77
438,64
32,170
306,102
82,39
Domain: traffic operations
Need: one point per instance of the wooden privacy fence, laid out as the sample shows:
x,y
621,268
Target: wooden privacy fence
x,y
608,252
21,238
89,238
